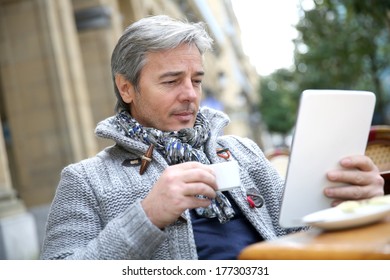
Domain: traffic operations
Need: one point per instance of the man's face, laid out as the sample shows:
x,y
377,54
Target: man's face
x,y
169,89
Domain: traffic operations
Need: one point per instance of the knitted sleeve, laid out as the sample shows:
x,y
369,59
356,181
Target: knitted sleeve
x,y
75,229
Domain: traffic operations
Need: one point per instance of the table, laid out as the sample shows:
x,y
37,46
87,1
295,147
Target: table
x,y
362,243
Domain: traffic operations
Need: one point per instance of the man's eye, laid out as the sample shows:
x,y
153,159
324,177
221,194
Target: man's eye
x,y
197,82
169,82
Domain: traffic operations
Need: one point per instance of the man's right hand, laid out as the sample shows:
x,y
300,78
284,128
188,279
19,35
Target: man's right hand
x,y
176,190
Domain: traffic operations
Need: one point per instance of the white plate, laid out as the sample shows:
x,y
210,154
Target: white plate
x,y
336,218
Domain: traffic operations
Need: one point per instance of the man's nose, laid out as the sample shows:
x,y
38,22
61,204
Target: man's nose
x,y
189,92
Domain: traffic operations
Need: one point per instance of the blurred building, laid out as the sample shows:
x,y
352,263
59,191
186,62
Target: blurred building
x,y
55,86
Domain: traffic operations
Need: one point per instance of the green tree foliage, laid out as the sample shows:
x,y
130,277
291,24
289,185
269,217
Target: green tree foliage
x,y
278,106
345,44
342,44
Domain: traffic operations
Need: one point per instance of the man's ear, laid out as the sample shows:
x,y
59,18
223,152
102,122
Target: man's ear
x,y
125,88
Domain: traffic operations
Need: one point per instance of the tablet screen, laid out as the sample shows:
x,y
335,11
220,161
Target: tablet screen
x,y
331,124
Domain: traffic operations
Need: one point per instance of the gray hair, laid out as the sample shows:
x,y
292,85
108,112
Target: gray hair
x,y
152,34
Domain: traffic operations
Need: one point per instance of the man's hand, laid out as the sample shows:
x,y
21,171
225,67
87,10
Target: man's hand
x,y
176,190
361,178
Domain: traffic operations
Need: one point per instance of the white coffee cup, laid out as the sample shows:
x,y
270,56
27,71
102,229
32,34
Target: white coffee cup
x,y
228,175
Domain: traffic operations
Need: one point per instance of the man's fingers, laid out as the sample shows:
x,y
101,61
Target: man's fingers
x,y
360,162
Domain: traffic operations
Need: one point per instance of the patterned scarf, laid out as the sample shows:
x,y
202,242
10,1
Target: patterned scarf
x,y
178,147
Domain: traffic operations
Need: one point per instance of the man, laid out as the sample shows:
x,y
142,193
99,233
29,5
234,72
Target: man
x,y
152,195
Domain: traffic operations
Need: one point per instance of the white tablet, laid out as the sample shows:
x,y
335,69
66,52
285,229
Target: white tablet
x,y
331,124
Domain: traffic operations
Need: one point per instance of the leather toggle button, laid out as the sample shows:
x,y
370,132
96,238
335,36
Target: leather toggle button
x,y
254,198
146,159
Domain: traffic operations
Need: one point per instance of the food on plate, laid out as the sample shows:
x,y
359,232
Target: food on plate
x,y
353,205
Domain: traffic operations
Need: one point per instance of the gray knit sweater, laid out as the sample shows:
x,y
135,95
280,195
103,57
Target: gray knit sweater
x,y
96,212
